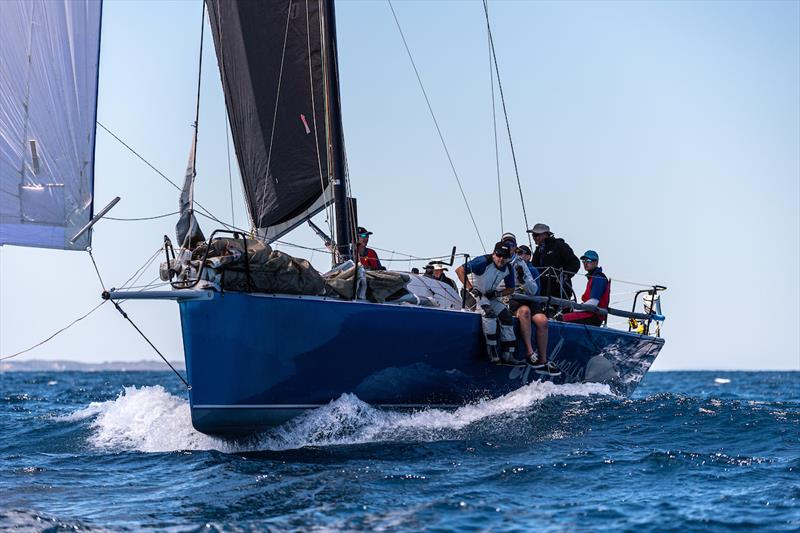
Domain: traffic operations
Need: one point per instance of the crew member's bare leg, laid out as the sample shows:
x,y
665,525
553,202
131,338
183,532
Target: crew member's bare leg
x,y
524,318
540,320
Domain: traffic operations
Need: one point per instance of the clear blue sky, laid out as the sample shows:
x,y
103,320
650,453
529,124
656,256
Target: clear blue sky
x,y
665,135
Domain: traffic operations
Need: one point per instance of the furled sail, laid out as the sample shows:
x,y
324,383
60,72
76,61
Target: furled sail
x,y
271,63
49,59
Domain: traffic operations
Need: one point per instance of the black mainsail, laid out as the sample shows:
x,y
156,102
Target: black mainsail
x,y
271,56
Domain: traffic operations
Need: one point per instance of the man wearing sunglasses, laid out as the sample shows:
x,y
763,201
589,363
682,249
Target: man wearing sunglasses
x,y
367,256
555,260
482,278
598,292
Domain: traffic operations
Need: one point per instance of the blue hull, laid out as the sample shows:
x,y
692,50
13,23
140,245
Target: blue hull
x,y
256,360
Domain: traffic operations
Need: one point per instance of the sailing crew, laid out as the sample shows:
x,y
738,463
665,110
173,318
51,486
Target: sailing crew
x,y
598,292
367,256
483,278
529,312
556,261
438,273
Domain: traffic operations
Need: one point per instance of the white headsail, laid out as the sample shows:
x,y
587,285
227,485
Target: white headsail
x,y
49,59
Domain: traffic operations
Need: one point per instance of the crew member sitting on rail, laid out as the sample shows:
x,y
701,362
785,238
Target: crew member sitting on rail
x,y
532,312
367,256
598,292
482,278
437,273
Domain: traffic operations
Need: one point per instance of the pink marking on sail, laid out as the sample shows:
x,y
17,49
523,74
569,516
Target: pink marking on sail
x,y
305,124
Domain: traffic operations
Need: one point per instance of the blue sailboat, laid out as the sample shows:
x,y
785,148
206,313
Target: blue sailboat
x,y
257,355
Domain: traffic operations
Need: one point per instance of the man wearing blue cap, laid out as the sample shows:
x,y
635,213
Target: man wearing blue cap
x,y
598,292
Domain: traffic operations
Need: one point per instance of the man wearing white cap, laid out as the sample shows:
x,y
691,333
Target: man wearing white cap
x,y
438,273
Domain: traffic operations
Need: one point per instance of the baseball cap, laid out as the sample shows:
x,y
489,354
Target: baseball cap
x,y
509,237
590,255
361,231
502,250
524,249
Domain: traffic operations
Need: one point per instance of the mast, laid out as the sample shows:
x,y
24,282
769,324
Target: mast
x,y
344,230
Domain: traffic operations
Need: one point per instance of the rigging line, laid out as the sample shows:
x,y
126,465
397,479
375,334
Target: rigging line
x,y
436,123
494,127
151,285
229,226
284,243
141,268
95,308
275,111
89,250
505,113
412,259
141,218
126,317
146,162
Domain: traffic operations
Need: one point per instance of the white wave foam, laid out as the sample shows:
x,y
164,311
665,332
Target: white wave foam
x,y
721,381
146,419
149,419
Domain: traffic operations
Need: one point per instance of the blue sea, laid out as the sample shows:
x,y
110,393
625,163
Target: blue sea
x,y
691,451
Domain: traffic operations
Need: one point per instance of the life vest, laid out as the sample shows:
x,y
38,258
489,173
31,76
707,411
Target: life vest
x,y
605,297
370,259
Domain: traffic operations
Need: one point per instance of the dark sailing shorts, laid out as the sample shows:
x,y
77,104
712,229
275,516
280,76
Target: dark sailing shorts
x,y
536,308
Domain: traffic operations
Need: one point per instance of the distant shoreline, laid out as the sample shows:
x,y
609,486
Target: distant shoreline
x,y
63,365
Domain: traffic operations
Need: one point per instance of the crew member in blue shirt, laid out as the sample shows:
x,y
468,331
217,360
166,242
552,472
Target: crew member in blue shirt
x,y
484,278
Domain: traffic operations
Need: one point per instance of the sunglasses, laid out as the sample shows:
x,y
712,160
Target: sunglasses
x,y
364,235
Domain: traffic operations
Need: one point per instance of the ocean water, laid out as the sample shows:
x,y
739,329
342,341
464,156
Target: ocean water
x,y
691,451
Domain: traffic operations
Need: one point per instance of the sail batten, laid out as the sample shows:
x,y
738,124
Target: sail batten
x,y
270,59
49,61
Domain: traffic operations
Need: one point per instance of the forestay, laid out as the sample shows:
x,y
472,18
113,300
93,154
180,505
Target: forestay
x,y
49,56
271,64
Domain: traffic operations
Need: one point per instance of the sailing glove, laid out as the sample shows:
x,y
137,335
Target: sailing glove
x,y
475,293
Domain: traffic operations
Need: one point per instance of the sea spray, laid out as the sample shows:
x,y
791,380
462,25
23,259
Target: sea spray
x,y
150,419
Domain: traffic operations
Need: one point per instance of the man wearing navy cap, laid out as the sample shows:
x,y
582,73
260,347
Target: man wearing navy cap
x,y
367,256
483,278
598,292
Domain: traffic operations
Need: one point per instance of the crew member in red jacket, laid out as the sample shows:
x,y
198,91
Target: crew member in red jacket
x,y
367,256
598,292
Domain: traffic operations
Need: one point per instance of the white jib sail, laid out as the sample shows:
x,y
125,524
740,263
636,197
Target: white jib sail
x,y
49,59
